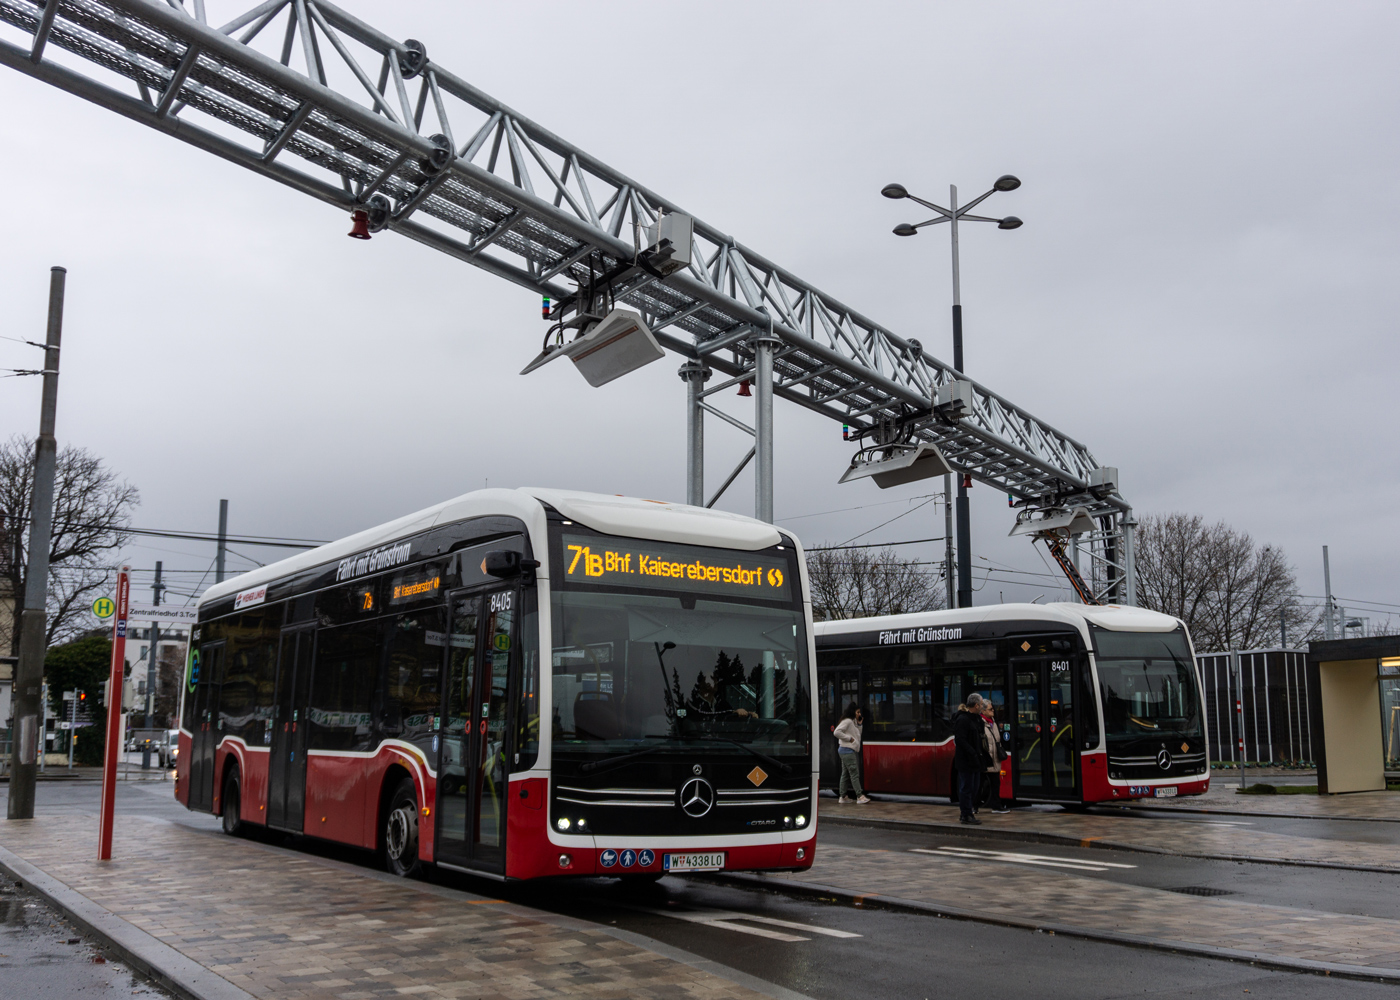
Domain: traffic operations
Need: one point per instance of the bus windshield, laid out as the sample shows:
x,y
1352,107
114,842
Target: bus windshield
x,y
637,669
1148,682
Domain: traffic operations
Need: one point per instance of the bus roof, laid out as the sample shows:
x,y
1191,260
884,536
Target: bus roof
x,y
1110,616
658,520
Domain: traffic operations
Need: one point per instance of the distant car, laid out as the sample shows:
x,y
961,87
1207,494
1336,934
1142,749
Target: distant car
x,y
170,750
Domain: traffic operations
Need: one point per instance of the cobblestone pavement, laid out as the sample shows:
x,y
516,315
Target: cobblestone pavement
x,y
294,926
1045,896
1144,833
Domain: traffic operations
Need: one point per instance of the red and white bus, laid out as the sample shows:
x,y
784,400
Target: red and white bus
x,y
1096,704
518,683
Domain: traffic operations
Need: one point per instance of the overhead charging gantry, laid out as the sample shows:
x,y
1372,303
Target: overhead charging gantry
x,y
311,96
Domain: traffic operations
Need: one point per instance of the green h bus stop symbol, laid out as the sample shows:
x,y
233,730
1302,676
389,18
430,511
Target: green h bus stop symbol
x,y
104,607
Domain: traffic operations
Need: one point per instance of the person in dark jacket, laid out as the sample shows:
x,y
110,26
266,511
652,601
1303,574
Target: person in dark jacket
x,y
970,756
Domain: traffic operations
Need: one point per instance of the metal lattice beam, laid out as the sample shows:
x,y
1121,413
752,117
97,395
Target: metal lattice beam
x,y
310,96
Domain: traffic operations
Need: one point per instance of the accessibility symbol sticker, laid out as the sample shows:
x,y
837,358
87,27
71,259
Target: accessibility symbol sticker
x,y
646,859
608,858
104,607
629,858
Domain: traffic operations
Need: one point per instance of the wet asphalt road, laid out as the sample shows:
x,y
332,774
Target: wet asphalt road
x,y
43,957
831,951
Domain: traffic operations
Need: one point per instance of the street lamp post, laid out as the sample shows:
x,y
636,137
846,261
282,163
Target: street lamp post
x,y
953,215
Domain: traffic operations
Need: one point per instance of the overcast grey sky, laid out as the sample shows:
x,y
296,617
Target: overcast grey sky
x,y
1204,291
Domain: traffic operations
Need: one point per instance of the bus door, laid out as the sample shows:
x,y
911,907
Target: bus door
x,y
206,725
836,689
286,772
1044,756
472,772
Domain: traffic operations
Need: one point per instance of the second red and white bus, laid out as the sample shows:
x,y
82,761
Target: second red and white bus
x,y
518,683
1095,704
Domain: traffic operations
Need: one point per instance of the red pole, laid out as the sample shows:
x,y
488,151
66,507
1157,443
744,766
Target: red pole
x,y
114,716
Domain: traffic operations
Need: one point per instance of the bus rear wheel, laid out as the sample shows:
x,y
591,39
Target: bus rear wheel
x,y
232,804
401,832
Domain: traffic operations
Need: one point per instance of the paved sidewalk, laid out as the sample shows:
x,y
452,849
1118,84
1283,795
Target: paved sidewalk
x,y
1133,832
291,926
1223,797
1041,897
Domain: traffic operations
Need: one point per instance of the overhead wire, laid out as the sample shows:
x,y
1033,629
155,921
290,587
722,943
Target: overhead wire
x,y
844,510
891,520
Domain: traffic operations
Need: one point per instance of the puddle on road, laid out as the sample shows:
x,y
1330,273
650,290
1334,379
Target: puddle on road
x,y
44,957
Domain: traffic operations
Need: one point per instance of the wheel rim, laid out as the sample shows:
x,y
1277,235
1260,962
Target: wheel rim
x,y
399,833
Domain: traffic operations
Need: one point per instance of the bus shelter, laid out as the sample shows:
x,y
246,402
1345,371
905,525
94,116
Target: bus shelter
x,y
1354,681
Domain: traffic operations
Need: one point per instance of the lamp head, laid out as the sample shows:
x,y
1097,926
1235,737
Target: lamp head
x,y
894,191
1010,222
1007,182
905,229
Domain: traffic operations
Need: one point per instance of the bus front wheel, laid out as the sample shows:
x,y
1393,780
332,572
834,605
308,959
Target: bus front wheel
x,y
232,805
401,832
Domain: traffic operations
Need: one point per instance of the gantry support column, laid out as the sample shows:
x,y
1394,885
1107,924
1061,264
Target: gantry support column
x,y
763,347
695,374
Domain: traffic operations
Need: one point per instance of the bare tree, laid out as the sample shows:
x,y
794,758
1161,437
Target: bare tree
x,y
860,583
1231,593
92,509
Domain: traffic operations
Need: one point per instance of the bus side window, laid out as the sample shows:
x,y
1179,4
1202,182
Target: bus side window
x,y
1088,705
412,677
527,711
342,686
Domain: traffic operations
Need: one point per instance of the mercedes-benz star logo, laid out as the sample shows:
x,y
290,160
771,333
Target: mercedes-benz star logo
x,y
1164,760
697,797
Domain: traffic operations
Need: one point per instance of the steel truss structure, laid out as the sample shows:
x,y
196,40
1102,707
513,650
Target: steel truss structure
x,y
371,123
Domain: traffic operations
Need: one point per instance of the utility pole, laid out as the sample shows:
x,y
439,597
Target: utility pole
x,y
953,215
151,676
964,510
29,671
223,542
1283,628
948,569
1327,596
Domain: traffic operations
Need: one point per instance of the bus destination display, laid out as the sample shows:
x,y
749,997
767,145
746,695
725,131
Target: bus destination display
x,y
666,566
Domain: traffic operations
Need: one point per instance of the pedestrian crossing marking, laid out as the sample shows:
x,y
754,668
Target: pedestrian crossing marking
x,y
1013,857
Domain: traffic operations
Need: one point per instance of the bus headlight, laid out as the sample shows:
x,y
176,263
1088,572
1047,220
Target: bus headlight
x,y
582,823
562,823
802,821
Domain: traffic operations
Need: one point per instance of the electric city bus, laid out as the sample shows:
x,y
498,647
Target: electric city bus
x,y
518,683
1094,703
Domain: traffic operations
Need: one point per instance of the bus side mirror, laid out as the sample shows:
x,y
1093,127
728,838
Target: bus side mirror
x,y
507,564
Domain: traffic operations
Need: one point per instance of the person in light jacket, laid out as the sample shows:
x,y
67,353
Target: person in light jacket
x,y
848,750
991,784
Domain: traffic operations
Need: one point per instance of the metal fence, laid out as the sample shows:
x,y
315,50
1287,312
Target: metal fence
x,y
1277,710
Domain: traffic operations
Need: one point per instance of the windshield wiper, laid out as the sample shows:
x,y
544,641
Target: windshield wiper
x,y
770,761
595,765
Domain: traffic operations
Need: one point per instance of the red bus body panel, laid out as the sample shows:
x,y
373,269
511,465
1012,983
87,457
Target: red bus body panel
x,y
343,794
927,768
182,769
908,768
